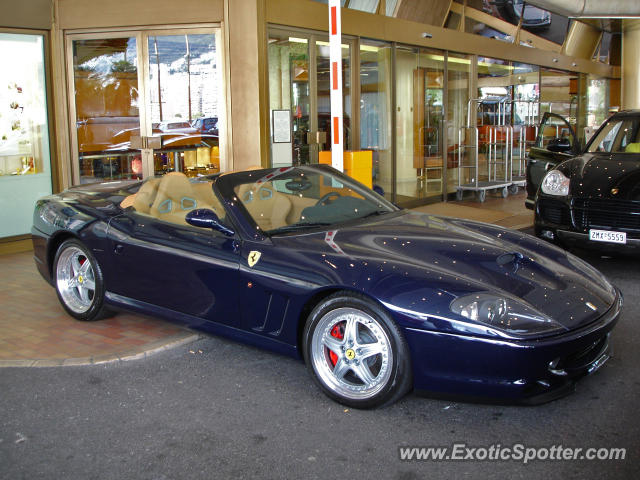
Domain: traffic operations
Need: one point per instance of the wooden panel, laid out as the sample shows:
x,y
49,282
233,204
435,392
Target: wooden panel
x,y
431,12
34,14
76,14
308,14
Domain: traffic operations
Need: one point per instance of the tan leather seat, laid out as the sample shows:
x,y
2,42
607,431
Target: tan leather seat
x,y
146,195
175,198
203,193
268,207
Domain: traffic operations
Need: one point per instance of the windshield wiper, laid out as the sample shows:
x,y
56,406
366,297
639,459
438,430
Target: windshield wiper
x,y
298,226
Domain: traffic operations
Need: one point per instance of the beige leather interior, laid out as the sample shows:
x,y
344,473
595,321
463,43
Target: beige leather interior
x,y
268,207
146,195
174,199
171,197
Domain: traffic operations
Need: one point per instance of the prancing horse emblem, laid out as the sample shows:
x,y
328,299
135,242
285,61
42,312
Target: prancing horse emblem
x,y
253,258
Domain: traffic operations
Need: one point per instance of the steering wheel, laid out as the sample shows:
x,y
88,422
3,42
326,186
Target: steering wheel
x,y
324,200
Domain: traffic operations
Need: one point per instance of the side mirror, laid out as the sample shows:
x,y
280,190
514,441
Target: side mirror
x,y
559,145
205,218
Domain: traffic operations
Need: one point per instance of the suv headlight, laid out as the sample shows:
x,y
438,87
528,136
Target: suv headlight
x,y
555,183
504,314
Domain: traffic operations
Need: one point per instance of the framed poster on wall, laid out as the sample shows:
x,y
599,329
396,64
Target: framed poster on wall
x,y
281,126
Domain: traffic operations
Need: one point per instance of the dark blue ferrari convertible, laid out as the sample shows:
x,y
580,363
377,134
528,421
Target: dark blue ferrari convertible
x,y
306,262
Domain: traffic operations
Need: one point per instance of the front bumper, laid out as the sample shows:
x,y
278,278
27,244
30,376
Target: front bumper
x,y
568,221
512,371
578,239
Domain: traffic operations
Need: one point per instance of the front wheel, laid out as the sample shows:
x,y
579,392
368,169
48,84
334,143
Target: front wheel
x,y
78,281
356,353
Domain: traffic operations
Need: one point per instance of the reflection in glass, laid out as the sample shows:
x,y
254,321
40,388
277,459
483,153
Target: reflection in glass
x,y
107,111
183,87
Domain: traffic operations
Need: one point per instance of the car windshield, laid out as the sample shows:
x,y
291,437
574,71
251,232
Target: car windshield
x,y
299,198
621,135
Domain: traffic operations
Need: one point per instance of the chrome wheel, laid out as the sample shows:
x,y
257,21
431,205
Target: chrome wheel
x,y
75,279
351,353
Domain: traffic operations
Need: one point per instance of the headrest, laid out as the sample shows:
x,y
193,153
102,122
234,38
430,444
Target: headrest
x,y
632,148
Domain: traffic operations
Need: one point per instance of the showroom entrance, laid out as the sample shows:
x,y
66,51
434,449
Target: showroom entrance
x,y
145,102
299,96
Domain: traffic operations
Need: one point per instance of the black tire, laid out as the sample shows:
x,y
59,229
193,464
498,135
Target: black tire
x,y
78,281
387,374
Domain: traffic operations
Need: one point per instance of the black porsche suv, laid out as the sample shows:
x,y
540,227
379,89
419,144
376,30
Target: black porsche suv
x,y
589,199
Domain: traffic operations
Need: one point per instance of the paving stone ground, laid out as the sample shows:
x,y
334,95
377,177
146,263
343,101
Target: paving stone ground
x,y
35,328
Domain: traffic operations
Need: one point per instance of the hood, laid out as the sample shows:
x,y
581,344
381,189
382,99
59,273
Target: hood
x,y
599,175
409,256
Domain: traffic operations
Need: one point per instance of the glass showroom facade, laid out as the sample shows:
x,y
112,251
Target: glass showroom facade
x,y
413,109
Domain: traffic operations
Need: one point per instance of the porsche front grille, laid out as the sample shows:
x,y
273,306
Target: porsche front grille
x,y
614,214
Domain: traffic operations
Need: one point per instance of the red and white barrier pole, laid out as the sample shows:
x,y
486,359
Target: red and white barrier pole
x,y
335,58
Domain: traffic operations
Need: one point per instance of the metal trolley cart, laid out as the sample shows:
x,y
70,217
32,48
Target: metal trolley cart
x,y
526,137
468,142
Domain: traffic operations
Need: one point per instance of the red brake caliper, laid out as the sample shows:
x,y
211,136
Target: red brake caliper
x,y
336,332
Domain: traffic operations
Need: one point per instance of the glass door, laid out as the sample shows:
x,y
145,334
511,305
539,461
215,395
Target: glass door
x,y
145,103
106,103
289,98
420,87
299,97
183,102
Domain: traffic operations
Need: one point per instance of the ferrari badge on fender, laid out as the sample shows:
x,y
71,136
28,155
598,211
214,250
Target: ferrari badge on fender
x,y
253,257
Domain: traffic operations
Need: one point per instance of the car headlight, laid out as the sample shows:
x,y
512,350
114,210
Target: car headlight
x,y
504,314
555,183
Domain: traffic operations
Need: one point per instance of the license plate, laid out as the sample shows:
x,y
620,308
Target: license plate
x,y
607,236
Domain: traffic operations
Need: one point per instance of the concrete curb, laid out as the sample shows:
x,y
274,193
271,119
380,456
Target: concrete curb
x,y
126,356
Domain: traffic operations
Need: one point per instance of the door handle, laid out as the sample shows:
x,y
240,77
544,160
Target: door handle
x,y
119,248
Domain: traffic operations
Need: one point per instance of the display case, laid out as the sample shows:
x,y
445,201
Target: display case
x,y
25,169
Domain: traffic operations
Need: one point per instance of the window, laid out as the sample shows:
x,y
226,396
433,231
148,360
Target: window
x,y
25,173
618,136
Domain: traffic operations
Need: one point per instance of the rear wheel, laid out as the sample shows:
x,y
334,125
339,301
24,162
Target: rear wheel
x,y
78,281
356,353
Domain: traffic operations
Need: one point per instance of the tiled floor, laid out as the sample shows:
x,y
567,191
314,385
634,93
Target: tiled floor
x,y
35,328
507,212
